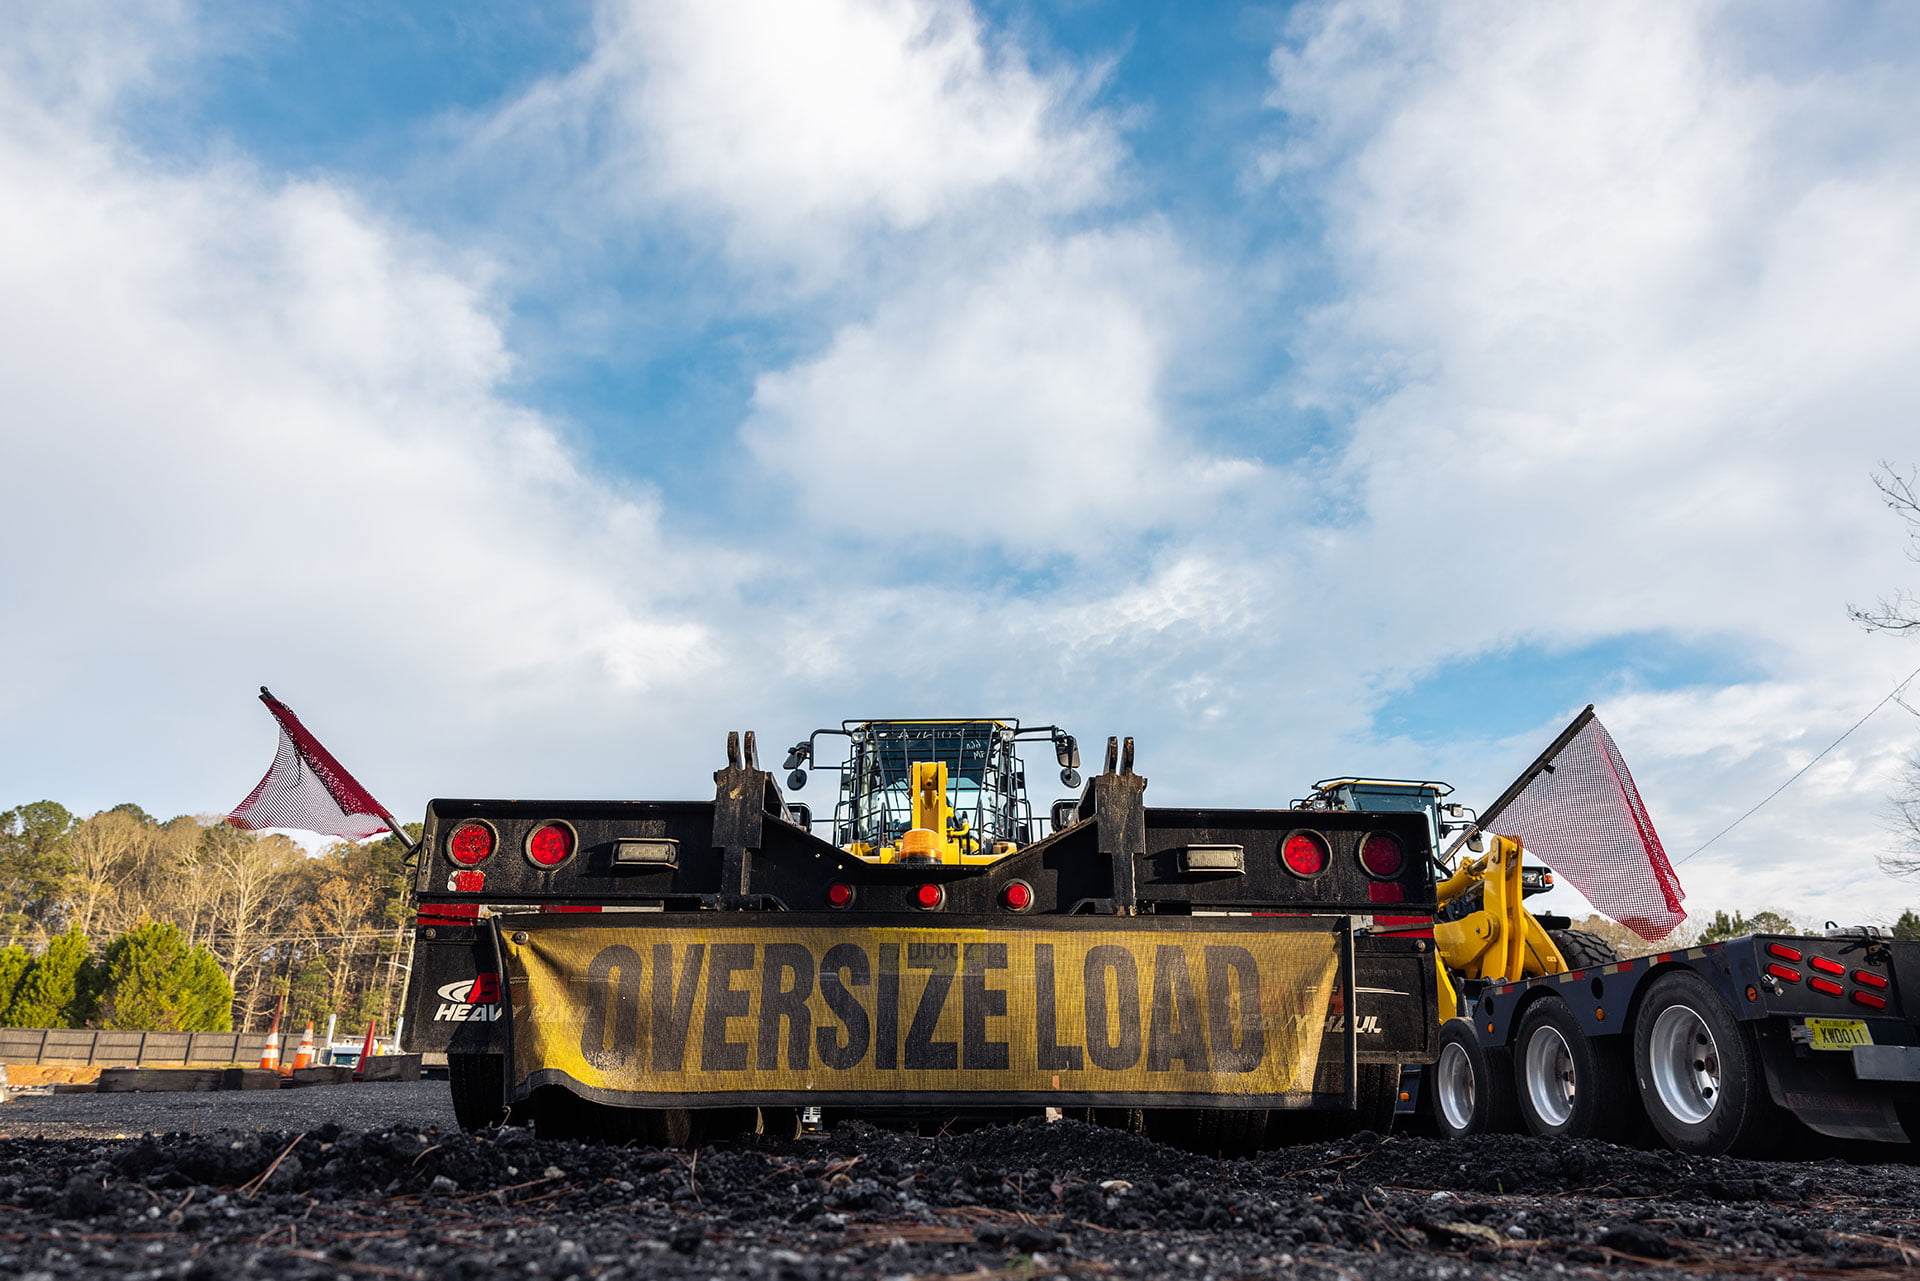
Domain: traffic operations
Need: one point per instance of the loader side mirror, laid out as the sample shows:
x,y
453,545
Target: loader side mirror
x,y
800,816
1065,813
1070,777
796,780
802,752
1066,750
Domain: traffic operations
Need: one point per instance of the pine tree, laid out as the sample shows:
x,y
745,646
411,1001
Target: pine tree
x,y
155,980
14,961
1907,928
58,987
1725,927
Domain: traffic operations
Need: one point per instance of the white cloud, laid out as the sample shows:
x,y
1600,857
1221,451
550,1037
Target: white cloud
x,y
800,126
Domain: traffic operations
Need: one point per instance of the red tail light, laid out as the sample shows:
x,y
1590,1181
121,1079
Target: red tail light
x,y
839,894
1871,1001
470,843
1784,974
1018,896
1828,986
1305,854
1784,952
551,844
1826,966
1382,857
1867,978
929,896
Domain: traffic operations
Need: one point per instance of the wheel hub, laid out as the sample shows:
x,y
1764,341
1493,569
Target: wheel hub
x,y
1684,1061
1551,1086
1454,1086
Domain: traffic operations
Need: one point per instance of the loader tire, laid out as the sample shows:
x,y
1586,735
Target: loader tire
x,y
1583,949
479,1086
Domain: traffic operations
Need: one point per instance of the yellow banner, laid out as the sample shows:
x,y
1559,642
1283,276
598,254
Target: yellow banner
x,y
864,1010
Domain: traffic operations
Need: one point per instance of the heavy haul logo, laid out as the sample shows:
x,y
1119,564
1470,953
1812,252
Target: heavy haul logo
x,y
474,1000
882,1009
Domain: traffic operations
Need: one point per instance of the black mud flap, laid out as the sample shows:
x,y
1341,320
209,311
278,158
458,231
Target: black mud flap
x,y
731,1010
1821,1089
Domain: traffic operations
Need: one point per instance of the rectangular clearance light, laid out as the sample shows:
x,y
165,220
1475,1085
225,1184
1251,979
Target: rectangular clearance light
x,y
652,851
1213,858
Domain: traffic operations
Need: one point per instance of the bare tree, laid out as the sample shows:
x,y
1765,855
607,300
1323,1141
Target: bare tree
x,y
1899,612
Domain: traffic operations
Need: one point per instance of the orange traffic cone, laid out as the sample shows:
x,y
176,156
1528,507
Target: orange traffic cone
x,y
270,1052
303,1057
366,1052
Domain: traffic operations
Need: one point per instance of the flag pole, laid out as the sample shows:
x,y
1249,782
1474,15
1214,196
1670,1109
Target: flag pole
x,y
1541,764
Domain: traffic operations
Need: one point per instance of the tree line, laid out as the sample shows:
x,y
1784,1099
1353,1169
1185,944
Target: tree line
x,y
118,917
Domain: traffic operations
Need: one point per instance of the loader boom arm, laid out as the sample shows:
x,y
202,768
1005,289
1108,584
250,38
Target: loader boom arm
x,y
1501,941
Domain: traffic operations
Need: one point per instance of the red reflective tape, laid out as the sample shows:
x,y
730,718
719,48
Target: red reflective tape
x,y
1387,922
454,910
572,907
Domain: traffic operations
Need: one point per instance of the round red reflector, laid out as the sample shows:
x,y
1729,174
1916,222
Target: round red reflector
x,y
550,845
470,843
1018,895
929,895
839,894
1304,854
1381,856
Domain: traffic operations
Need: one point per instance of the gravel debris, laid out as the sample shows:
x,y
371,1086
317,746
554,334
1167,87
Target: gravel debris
x,y
1029,1200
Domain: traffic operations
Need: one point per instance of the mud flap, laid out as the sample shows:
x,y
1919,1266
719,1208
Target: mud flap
x,y
714,1011
1821,1090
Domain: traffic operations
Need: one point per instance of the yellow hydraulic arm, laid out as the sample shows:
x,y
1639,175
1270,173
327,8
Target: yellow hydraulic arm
x,y
1501,941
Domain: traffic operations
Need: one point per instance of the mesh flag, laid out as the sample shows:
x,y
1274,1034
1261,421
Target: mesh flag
x,y
306,789
1577,811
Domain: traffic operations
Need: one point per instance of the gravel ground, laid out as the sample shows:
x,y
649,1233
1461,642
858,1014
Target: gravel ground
x,y
315,1198
128,1116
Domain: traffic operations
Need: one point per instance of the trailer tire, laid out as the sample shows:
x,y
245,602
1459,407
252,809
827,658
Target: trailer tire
x,y
1570,1085
1226,1132
1470,1087
1699,1073
1583,949
479,1086
558,1113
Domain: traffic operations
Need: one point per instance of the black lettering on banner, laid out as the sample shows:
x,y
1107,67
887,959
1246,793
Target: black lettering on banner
x,y
778,1001
612,1006
1229,966
837,1051
1174,1033
725,1001
673,1005
886,1010
939,961
1113,1055
1053,1057
978,1003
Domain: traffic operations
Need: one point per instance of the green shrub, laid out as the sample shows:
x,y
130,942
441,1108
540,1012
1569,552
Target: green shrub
x,y
154,979
57,989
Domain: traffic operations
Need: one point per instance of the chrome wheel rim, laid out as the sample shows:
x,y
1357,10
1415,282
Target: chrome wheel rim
x,y
1684,1061
1454,1084
1550,1083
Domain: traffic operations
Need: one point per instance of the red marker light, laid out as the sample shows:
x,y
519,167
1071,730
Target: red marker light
x,y
1381,856
1871,1001
1826,966
929,896
1867,978
470,843
1305,854
839,894
1828,986
551,844
1018,896
1784,952
1784,974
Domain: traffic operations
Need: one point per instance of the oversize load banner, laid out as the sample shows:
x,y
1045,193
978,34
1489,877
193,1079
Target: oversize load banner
x,y
840,1010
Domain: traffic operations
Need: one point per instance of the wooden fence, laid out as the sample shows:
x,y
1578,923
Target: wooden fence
x,y
138,1049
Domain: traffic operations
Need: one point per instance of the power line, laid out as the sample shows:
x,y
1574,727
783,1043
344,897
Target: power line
x,y
1893,696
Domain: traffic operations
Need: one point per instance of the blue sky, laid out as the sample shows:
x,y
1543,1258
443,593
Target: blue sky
x,y
531,393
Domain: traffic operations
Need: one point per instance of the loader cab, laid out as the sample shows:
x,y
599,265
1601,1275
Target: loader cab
x,y
890,764
1391,795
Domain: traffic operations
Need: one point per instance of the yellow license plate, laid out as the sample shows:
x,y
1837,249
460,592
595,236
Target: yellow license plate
x,y
1837,1034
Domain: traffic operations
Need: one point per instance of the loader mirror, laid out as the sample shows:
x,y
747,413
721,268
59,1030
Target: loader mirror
x,y
798,756
800,815
1067,751
1070,777
1064,814
796,780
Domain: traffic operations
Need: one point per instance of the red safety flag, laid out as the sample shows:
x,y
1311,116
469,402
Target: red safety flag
x,y
1576,810
307,789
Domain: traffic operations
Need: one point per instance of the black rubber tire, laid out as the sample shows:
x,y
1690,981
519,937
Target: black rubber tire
x,y
1377,1097
1741,1119
1596,1094
1583,949
1477,1082
1227,1132
558,1113
479,1086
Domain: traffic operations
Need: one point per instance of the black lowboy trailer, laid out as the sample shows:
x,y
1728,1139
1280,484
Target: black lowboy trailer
x,y
1718,1048
1222,978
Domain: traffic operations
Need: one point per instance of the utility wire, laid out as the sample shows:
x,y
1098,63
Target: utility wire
x,y
1893,696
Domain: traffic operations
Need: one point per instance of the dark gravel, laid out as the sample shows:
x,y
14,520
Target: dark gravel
x,y
1028,1200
